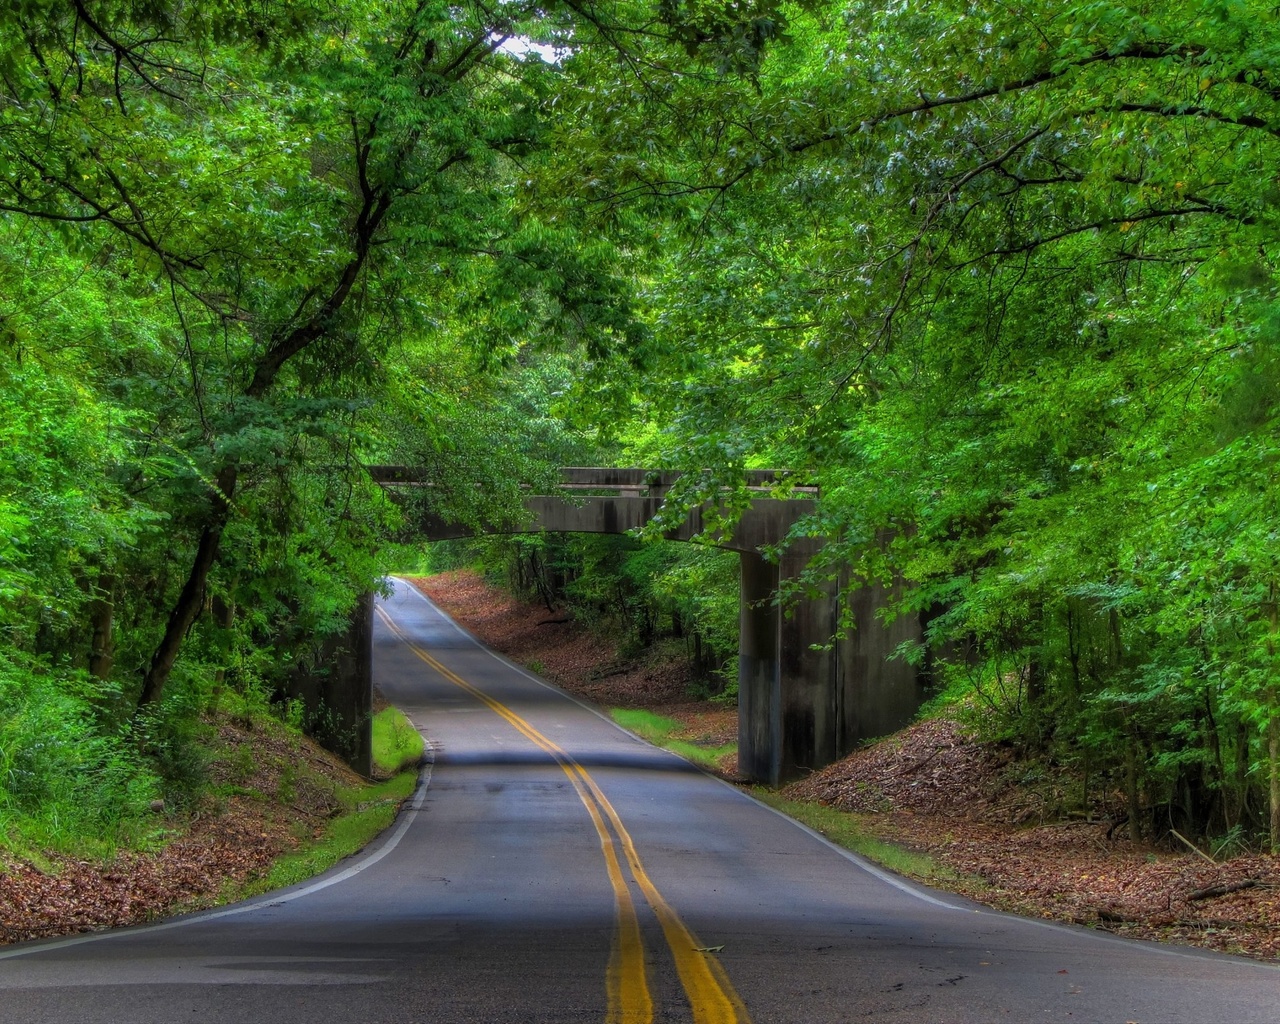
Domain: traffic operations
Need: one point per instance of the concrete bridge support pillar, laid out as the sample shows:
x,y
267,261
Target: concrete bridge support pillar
x,y
789,721
759,683
335,685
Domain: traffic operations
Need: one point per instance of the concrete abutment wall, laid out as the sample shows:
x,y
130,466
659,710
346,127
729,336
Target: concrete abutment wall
x,y
805,700
335,685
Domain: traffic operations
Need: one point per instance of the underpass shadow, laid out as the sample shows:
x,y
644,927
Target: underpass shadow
x,y
642,760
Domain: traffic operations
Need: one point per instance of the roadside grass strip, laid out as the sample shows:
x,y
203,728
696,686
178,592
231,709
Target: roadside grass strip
x,y
706,984
397,745
368,811
658,730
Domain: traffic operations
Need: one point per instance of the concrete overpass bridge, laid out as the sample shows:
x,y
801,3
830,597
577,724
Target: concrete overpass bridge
x,y
802,701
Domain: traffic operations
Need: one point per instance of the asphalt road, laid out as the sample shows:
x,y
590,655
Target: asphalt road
x,y
554,868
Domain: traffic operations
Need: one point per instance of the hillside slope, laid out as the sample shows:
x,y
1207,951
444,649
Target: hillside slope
x,y
268,792
990,817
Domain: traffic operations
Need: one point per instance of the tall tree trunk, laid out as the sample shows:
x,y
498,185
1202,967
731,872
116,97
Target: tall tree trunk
x,y
1273,764
102,652
1218,784
224,614
1036,672
1243,748
1131,783
191,598
1273,734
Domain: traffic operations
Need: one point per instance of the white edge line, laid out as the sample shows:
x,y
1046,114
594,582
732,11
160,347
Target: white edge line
x,y
901,884
885,876
267,899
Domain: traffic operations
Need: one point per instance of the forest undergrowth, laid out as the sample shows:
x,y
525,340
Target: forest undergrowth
x,y
972,816
266,807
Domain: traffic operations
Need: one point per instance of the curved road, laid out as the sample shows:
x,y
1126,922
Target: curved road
x,y
554,868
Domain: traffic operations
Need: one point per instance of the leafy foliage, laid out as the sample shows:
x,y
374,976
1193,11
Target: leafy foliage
x,y
65,773
248,249
1001,278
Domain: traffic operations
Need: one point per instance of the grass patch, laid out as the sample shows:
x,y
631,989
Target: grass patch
x,y
708,756
645,724
397,745
659,730
368,810
844,829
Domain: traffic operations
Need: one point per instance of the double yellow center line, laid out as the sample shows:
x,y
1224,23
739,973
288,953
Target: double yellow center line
x,y
711,995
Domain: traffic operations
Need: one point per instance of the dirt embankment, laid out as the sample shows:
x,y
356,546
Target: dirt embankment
x,y
268,791
969,804
935,789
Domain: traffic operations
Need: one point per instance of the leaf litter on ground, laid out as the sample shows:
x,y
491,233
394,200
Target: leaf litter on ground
x,y
268,790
